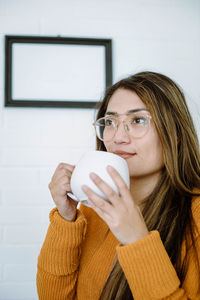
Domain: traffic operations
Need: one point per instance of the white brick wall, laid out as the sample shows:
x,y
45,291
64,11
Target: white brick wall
x,y
147,34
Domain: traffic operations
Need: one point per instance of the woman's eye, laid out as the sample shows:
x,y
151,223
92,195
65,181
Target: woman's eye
x,y
139,120
109,122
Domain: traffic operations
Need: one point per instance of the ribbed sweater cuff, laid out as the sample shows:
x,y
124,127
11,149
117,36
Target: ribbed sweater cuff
x,y
61,250
148,268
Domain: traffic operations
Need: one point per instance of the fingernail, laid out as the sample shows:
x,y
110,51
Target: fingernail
x,y
93,175
84,188
109,168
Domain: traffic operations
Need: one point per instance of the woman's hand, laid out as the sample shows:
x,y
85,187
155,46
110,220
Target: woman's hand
x,y
120,213
59,187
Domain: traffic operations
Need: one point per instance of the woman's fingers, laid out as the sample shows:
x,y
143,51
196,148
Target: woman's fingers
x,y
120,183
99,204
66,166
95,199
106,189
60,182
59,186
63,169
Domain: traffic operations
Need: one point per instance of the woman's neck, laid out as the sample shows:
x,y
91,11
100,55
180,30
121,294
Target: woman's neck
x,y
142,187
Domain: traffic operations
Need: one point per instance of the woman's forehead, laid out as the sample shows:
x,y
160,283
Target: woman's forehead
x,y
123,100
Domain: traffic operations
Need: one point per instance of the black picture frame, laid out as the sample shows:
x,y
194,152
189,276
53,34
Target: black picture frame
x,y
11,40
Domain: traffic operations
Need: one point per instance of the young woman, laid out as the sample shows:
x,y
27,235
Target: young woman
x,y
145,242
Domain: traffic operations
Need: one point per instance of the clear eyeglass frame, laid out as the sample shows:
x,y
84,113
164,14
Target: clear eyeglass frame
x,y
97,124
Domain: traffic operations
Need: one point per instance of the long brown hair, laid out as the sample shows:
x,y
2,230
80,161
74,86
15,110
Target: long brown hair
x,y
168,208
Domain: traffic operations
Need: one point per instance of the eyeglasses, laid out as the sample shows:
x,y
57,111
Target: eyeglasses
x,y
135,124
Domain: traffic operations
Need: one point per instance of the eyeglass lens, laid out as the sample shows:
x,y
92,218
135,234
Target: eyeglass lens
x,y
136,125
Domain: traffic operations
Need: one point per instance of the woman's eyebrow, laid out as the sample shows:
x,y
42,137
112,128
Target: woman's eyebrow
x,y
128,112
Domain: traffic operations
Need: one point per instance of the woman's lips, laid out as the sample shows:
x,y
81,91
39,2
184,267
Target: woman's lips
x,y
124,155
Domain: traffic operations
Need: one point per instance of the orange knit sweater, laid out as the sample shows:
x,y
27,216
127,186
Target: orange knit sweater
x,y
76,258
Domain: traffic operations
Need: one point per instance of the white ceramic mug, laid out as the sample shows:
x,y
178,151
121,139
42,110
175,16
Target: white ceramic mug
x,y
96,161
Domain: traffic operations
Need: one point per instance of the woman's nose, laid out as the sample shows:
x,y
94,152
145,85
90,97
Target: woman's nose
x,y
121,134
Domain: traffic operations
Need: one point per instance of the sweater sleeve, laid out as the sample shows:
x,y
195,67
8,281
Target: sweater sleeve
x,y
149,270
58,260
150,273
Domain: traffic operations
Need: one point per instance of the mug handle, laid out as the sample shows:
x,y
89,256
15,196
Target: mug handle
x,y
76,199
72,196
